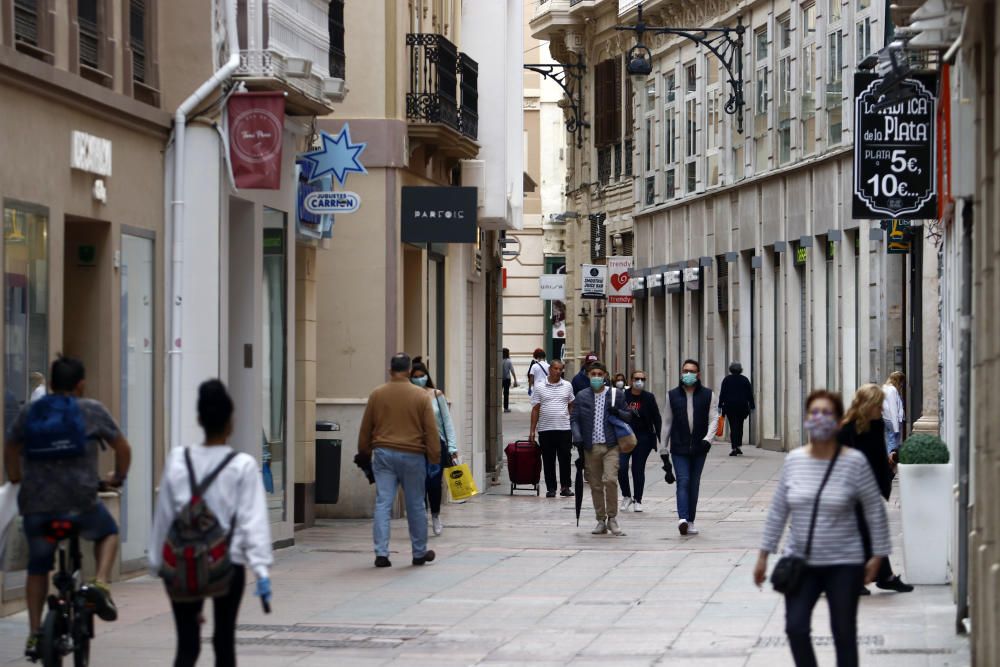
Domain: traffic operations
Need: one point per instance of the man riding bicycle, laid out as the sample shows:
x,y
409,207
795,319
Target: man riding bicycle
x,y
52,449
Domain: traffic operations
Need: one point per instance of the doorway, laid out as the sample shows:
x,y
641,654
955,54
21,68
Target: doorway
x,y
274,344
138,393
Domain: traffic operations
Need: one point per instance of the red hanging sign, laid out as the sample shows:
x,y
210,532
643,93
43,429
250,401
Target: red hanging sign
x,y
256,128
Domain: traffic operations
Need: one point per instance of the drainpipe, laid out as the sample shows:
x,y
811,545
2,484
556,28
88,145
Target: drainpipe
x,y
177,217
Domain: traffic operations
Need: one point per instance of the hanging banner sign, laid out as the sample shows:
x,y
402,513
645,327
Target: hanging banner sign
x,y
256,132
594,279
552,287
895,157
431,214
900,237
320,203
312,225
620,291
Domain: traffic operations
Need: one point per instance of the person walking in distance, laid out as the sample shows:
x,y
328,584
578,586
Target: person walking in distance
x,y
820,485
538,370
689,423
736,403
893,414
420,376
646,422
399,434
233,491
509,376
581,380
862,430
594,434
551,405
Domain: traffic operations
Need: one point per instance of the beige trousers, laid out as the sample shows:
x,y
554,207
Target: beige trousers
x,y
602,474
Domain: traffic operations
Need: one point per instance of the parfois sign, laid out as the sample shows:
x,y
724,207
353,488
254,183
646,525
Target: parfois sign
x,y
894,148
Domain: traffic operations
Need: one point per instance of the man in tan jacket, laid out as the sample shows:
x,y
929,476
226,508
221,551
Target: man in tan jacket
x,y
399,433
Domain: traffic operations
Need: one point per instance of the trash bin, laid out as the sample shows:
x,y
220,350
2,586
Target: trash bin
x,y
328,452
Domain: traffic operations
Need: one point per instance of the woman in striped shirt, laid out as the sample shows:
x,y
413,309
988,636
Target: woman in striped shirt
x,y
835,559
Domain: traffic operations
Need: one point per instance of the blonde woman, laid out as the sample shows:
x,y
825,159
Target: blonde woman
x,y
893,414
861,429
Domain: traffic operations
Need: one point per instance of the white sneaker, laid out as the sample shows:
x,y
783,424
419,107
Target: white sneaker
x,y
613,527
683,527
600,529
437,526
636,506
692,530
626,503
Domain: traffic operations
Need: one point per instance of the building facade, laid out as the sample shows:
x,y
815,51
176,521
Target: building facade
x,y
427,122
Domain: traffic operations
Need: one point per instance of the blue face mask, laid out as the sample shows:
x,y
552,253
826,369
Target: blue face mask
x,y
689,378
596,383
420,381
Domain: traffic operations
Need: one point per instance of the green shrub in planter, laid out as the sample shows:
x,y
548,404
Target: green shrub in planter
x,y
923,448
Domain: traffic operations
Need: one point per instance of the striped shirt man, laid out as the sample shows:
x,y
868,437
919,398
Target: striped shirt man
x,y
836,539
553,401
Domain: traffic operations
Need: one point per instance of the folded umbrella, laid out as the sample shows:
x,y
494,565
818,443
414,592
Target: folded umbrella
x,y
578,486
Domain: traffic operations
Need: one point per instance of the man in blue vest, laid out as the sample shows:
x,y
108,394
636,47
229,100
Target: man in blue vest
x,y
689,424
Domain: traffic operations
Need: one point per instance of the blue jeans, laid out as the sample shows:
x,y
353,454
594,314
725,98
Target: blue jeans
x,y
892,439
688,470
393,468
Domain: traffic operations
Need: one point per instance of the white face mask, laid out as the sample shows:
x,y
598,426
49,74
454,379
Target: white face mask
x,y
639,384
619,384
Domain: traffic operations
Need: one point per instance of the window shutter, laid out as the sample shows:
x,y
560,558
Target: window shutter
x,y
722,283
598,237
629,107
616,130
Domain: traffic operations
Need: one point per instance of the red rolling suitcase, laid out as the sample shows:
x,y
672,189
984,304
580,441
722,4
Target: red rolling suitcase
x,y
524,465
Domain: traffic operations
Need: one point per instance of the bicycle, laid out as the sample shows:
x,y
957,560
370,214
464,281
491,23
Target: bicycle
x,y
68,626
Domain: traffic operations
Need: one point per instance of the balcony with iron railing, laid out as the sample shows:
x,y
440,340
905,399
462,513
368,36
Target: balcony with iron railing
x,y
442,99
286,46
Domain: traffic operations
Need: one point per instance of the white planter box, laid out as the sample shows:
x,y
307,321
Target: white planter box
x,y
926,492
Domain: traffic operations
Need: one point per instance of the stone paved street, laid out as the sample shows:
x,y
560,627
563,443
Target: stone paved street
x,y
516,582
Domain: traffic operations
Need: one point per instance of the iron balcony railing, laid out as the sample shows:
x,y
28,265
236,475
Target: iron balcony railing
x,y
436,68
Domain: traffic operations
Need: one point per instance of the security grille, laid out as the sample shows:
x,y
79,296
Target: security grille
x,y
598,237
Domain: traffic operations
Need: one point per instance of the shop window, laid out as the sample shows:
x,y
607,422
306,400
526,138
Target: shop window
x,y
26,298
32,28
338,54
275,375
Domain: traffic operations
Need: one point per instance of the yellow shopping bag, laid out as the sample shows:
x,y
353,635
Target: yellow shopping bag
x,y
461,485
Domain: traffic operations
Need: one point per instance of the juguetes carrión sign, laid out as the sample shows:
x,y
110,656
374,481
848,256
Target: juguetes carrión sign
x,y
895,161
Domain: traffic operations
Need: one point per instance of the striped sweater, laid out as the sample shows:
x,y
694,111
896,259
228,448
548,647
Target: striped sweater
x,y
837,539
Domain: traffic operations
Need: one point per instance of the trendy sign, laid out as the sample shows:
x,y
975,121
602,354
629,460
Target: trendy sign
x,y
594,280
620,292
439,215
895,161
256,132
552,287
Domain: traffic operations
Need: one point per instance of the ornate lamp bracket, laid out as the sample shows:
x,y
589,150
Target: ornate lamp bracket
x,y
726,43
569,77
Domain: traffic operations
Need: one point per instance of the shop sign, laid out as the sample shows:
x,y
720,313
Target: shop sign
x,y
639,287
674,281
594,279
620,291
801,255
900,237
439,215
552,287
510,248
654,283
336,155
692,278
322,203
895,161
311,225
256,134
90,154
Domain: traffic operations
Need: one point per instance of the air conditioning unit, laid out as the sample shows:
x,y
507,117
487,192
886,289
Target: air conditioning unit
x,y
334,89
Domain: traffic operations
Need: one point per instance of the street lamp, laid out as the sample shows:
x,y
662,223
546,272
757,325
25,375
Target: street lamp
x,y
725,43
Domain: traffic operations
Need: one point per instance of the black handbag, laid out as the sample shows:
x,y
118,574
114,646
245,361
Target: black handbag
x,y
787,574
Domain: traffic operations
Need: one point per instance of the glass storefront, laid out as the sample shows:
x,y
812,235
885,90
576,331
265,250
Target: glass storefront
x,y
275,391
26,296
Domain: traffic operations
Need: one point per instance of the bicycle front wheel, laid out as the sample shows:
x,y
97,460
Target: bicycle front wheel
x,y
53,629
83,631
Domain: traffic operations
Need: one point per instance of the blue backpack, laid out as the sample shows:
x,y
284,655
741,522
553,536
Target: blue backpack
x,y
54,429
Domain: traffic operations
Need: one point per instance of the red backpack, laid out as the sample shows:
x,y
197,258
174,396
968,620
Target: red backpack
x,y
196,562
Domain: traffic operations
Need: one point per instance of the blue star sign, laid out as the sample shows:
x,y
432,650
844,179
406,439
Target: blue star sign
x,y
337,156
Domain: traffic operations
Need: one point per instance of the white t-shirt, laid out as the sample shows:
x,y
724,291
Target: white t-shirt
x,y
554,399
539,371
